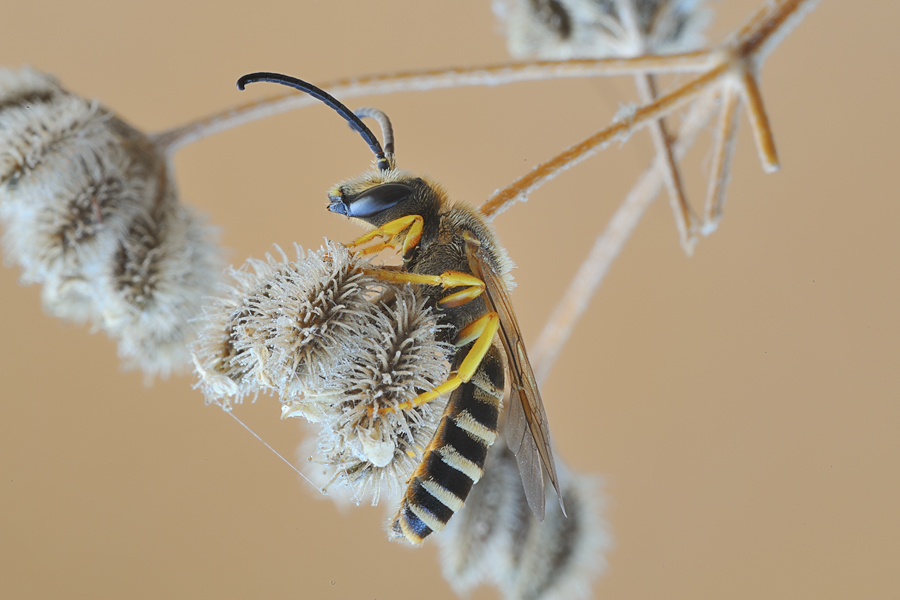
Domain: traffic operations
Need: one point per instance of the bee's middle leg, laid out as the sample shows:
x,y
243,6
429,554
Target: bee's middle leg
x,y
473,286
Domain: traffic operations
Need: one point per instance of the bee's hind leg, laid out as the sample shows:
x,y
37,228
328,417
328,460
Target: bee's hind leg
x,y
482,330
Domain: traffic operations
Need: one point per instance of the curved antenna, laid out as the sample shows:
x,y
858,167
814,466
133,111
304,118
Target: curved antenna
x,y
387,131
328,99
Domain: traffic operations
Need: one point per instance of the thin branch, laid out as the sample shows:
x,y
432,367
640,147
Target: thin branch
x,y
174,139
775,20
723,151
608,245
759,35
685,220
541,174
759,121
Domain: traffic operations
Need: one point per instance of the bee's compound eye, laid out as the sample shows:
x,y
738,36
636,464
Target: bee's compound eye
x,y
377,199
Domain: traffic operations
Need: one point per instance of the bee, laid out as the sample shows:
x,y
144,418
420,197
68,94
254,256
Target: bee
x,y
452,252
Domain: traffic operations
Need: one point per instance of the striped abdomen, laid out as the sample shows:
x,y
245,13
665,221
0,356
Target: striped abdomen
x,y
454,460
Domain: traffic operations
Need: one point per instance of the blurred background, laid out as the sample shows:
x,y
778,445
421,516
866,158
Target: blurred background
x,y
741,405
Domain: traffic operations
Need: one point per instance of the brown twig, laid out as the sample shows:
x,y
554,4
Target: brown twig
x,y
738,72
519,189
759,122
685,220
736,62
723,151
609,244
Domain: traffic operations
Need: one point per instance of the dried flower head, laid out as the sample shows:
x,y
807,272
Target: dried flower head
x,y
334,343
495,538
398,358
284,325
91,211
564,29
163,269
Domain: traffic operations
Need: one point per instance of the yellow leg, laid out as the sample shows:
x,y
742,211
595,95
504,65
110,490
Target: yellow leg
x,y
413,236
391,230
447,279
482,330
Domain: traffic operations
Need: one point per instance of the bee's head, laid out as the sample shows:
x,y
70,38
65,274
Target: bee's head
x,y
377,198
371,203
379,195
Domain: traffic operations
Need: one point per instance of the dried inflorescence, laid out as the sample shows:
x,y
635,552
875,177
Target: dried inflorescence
x,y
398,357
564,29
335,343
282,325
496,539
90,211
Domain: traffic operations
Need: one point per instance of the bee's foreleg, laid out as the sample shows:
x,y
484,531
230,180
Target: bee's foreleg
x,y
482,330
412,224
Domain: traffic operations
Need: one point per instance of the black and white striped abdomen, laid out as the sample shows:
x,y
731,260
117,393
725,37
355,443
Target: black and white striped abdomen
x,y
454,460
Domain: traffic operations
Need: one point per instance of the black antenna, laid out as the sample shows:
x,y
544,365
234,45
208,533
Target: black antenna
x,y
328,99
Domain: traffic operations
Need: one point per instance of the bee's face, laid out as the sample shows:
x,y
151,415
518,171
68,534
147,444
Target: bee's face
x,y
377,198
370,204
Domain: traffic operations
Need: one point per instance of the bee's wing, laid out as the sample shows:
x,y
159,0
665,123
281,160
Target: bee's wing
x,y
527,432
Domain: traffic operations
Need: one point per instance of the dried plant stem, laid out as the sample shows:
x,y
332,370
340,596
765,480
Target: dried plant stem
x,y
609,244
491,75
723,151
685,220
737,64
758,36
765,30
759,122
522,187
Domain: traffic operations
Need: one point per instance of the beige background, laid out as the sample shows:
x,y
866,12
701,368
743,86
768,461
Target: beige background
x,y
741,405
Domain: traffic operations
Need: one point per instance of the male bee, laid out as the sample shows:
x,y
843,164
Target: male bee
x,y
454,254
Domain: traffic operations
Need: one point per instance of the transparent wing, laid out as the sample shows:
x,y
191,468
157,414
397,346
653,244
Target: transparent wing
x,y
527,431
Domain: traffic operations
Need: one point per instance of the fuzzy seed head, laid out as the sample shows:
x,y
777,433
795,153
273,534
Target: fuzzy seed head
x,y
335,344
399,357
564,29
90,211
284,325
153,290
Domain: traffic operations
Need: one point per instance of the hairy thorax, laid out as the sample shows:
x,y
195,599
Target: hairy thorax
x,y
444,249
